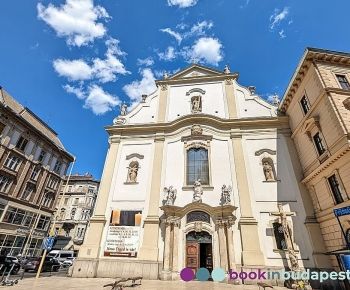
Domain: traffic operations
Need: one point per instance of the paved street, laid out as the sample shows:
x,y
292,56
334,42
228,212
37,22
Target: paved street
x,y
66,283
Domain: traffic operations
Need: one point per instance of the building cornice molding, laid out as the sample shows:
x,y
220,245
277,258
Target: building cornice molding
x,y
279,122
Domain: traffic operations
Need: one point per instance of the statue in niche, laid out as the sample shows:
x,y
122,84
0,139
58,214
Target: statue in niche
x,y
123,109
197,191
170,195
132,172
268,170
226,194
196,104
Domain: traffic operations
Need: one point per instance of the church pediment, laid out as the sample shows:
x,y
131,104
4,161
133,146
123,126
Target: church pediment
x,y
195,70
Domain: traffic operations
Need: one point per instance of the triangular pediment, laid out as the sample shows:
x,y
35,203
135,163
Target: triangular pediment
x,y
195,70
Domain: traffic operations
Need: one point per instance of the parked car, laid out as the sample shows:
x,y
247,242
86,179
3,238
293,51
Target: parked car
x,y
67,263
61,255
50,264
7,264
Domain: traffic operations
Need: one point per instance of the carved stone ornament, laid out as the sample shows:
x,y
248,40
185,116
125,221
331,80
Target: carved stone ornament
x,y
163,87
123,109
227,70
132,172
198,227
252,90
226,194
196,104
346,103
268,169
169,195
196,145
196,130
229,81
173,220
197,191
143,98
119,121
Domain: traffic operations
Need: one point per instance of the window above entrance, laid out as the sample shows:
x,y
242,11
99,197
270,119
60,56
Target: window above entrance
x,y
198,216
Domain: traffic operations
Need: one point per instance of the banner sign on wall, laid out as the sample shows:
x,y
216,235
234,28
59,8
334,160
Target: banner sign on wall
x,y
122,241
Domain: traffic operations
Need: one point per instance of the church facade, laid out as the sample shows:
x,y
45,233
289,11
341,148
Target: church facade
x,y
200,174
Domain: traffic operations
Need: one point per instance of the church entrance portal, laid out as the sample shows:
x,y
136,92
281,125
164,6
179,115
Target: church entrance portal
x,y
199,252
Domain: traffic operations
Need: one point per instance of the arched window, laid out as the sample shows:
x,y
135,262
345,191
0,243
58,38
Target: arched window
x,y
197,166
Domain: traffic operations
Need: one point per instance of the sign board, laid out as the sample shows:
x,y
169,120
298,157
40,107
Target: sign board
x,y
342,211
122,241
48,243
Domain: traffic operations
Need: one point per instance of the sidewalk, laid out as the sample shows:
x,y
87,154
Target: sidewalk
x,y
67,283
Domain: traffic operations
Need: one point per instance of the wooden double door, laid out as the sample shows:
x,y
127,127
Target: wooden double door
x,y
199,253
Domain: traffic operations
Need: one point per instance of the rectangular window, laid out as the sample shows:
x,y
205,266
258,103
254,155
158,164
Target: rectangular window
x,y
279,236
53,182
319,143
343,82
21,143
43,223
57,167
12,162
41,156
334,184
72,213
65,201
35,173
5,183
76,201
2,127
28,191
304,102
197,166
48,198
2,209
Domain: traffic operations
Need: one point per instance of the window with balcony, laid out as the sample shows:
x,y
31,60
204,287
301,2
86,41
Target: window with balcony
x,y
335,188
319,143
12,162
5,183
343,81
21,143
305,105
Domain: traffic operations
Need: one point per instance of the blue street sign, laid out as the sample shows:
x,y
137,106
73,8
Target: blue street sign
x,y
48,243
342,211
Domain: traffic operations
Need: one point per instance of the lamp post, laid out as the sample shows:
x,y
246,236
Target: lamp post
x,y
52,229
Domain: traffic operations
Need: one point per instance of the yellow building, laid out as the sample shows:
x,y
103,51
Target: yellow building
x,y
317,102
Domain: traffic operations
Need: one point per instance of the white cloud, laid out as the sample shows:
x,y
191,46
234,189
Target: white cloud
x,y
199,28
145,61
168,55
173,33
74,70
76,20
278,16
96,99
137,88
282,34
182,3
104,70
205,49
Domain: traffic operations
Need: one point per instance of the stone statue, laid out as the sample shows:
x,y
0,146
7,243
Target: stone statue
x,y
123,109
165,75
227,69
268,171
132,172
275,100
170,195
196,104
226,194
197,191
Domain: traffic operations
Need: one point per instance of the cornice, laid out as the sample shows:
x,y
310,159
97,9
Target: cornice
x,y
311,56
202,119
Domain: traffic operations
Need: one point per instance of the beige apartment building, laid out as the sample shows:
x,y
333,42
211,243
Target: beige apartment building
x,y
33,162
76,209
317,102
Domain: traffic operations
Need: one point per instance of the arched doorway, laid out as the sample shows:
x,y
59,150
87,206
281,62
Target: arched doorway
x,y
199,250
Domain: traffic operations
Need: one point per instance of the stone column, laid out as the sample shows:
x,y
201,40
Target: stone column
x,y
91,247
220,224
231,101
167,247
230,247
149,248
251,254
175,249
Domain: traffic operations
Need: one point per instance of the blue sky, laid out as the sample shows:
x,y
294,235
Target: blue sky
x,y
74,61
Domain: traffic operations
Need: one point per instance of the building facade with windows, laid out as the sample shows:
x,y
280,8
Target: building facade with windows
x,y
198,175
317,102
76,205
33,162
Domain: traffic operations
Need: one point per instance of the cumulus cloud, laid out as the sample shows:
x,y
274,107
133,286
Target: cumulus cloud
x,y
206,50
96,99
137,88
76,20
145,61
182,3
278,16
173,33
168,55
103,70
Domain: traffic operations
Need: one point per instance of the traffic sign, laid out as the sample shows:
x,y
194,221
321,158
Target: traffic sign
x,y
48,243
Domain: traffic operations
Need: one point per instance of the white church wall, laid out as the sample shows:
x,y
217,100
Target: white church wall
x,y
213,101
145,112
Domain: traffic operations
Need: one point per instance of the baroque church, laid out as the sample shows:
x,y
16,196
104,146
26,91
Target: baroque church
x,y
201,173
